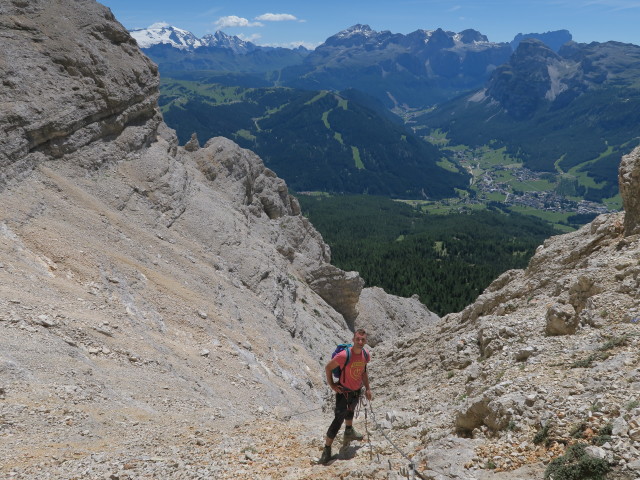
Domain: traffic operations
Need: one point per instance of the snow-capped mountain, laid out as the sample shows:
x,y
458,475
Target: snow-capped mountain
x,y
222,40
163,33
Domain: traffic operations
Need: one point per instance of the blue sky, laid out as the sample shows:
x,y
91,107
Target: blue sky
x,y
308,22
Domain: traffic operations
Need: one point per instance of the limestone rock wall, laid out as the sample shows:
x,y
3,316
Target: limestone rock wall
x,y
71,75
542,353
629,181
145,287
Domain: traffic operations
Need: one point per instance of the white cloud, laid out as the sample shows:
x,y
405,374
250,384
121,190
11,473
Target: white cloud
x,y
158,25
233,21
277,17
250,38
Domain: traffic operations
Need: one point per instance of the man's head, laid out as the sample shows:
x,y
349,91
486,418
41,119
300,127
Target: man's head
x,y
360,338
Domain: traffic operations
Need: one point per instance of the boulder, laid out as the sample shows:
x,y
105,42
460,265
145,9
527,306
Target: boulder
x,y
561,320
386,316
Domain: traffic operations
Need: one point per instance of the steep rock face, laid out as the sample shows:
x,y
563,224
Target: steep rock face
x,y
521,84
554,40
382,314
553,346
55,61
144,287
629,181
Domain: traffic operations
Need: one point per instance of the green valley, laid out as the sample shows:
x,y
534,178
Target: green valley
x,y
446,259
342,142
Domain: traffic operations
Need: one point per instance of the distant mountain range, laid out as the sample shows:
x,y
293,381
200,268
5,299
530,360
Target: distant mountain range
x,y
576,111
558,106
176,50
162,34
403,71
414,70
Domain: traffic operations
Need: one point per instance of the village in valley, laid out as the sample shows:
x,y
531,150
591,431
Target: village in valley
x,y
499,180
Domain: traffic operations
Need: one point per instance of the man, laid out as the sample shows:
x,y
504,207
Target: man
x,y
347,389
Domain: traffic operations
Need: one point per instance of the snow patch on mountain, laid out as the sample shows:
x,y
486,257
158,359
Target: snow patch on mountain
x,y
163,33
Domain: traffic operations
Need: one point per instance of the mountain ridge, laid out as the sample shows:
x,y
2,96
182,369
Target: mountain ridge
x,y
184,40
540,100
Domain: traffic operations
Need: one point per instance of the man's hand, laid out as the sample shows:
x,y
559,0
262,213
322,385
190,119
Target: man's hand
x,y
368,394
336,387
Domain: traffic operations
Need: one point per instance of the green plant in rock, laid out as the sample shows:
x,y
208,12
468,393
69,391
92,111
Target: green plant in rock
x,y
588,362
615,342
632,404
578,430
542,436
576,464
596,406
604,435
584,362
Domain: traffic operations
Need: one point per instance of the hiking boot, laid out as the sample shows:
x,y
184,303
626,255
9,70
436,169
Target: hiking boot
x,y
352,434
326,455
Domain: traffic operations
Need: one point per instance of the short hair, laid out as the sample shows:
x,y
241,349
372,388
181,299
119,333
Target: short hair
x,y
361,331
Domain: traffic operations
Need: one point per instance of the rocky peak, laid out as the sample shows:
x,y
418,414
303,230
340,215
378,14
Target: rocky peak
x,y
530,78
554,40
471,36
353,36
162,33
440,39
221,40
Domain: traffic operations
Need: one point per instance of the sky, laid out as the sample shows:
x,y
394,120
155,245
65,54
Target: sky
x,y
290,23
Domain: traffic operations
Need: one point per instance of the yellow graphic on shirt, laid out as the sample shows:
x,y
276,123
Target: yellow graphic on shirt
x,y
355,370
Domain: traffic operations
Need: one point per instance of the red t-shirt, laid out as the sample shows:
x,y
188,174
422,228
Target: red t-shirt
x,y
351,378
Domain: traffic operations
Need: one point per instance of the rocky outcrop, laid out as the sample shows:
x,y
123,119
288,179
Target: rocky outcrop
x,y
629,182
339,289
545,357
69,82
381,314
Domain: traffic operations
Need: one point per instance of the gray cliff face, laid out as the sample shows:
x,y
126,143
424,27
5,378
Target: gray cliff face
x,y
145,287
629,182
71,75
554,345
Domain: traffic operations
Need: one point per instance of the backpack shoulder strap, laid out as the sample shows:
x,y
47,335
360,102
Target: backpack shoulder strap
x,y
344,367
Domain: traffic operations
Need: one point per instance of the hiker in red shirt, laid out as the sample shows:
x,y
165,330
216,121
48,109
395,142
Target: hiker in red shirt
x,y
347,389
